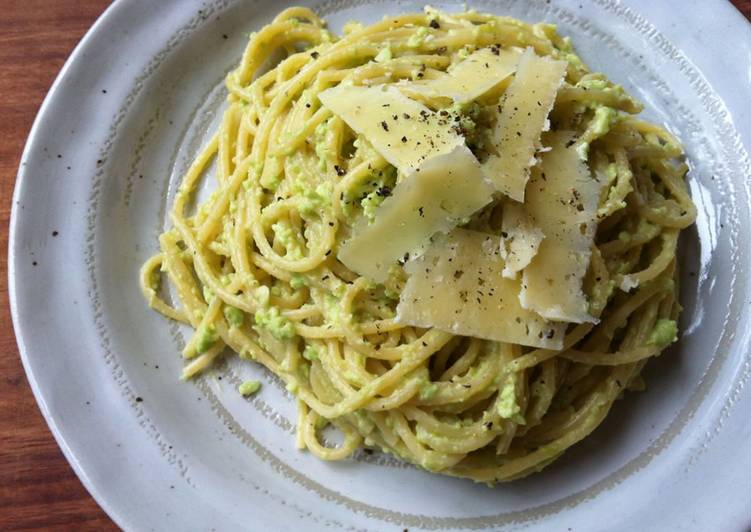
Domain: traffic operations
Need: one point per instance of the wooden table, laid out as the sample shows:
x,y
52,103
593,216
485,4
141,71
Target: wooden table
x,y
38,489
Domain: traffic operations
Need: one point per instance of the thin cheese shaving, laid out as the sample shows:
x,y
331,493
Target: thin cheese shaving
x,y
562,198
520,239
434,198
522,117
456,286
403,131
470,79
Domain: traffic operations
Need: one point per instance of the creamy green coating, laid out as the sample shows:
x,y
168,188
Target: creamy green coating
x,y
665,332
310,353
234,316
428,390
271,319
332,310
384,55
208,336
507,406
286,236
418,38
371,193
272,174
249,388
464,116
602,121
369,205
322,144
298,281
312,201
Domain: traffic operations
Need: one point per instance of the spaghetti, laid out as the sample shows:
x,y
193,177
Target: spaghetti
x,y
254,267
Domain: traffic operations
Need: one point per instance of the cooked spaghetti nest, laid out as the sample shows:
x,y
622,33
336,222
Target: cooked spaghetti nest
x,y
255,266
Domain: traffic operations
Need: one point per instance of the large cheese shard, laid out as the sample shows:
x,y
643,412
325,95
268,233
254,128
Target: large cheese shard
x,y
469,79
521,239
456,286
403,131
562,198
522,118
434,198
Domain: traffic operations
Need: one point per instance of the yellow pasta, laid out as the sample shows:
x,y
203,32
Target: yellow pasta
x,y
254,267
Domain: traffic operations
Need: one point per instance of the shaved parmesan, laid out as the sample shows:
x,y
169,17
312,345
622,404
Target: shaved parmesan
x,y
456,286
522,118
434,198
403,131
469,79
562,199
520,239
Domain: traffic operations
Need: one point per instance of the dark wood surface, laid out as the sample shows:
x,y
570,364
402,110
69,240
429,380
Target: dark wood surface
x,y
38,489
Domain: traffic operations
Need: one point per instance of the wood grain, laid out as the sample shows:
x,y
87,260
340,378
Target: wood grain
x,y
38,489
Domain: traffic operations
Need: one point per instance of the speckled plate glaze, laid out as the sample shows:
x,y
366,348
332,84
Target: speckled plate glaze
x,y
131,106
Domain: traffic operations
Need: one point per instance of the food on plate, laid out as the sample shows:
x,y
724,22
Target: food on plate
x,y
450,239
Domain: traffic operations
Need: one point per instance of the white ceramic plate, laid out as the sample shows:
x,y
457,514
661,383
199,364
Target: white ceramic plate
x,y
131,106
